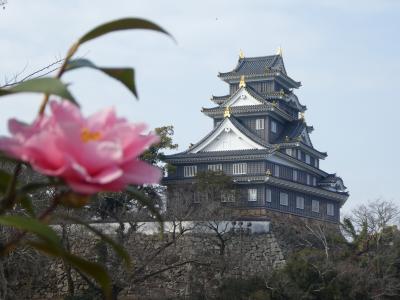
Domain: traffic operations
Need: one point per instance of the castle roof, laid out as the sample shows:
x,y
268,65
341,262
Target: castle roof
x,y
257,65
253,67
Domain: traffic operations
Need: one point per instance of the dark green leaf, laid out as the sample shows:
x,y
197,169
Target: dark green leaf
x,y
148,203
5,179
121,24
26,203
124,75
51,86
43,231
93,270
46,248
117,248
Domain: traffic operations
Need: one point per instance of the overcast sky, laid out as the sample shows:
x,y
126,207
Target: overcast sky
x,y
345,53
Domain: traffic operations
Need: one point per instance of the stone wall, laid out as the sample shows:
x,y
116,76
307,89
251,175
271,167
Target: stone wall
x,y
203,265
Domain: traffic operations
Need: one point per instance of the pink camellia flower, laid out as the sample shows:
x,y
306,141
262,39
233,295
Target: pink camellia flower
x,y
90,154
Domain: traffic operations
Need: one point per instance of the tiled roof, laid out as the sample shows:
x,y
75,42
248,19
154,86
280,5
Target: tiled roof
x,y
219,99
218,111
257,65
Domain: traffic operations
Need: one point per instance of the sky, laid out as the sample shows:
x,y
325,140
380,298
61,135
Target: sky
x,y
345,53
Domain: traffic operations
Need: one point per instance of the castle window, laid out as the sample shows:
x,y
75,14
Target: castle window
x,y
228,196
239,168
308,160
299,154
316,163
330,210
276,171
299,202
259,124
268,195
189,171
294,175
315,206
252,194
314,181
215,168
284,199
308,179
274,127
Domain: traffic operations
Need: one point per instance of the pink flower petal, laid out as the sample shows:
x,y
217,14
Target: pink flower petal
x,y
139,172
91,155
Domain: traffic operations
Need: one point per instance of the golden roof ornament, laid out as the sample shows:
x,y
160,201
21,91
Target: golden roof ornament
x,y
301,116
279,51
227,112
268,173
241,54
242,83
287,139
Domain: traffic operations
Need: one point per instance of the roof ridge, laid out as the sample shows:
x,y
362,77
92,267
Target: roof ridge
x,y
259,57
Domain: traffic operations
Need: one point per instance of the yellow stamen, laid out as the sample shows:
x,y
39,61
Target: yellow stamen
x,y
87,135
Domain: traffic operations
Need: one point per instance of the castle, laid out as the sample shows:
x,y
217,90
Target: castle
x,y
261,139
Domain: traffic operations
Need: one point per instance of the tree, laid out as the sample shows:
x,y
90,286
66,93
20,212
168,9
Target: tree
x,y
366,265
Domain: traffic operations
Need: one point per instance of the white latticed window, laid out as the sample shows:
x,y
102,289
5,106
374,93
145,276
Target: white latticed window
x,y
330,209
240,168
252,194
189,171
308,179
259,124
308,159
299,202
276,171
315,206
268,195
314,181
215,168
284,199
228,196
294,175
274,126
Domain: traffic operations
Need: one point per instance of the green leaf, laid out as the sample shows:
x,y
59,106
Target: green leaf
x,y
5,179
148,203
26,203
124,75
46,248
121,24
121,252
51,86
94,270
32,225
